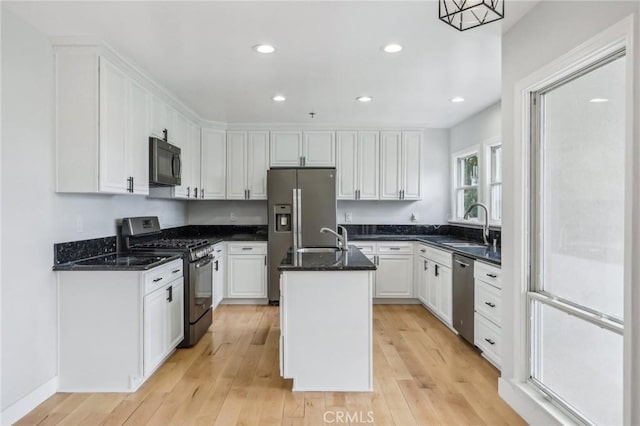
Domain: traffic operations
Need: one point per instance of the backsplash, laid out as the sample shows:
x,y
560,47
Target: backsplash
x,y
464,232
83,249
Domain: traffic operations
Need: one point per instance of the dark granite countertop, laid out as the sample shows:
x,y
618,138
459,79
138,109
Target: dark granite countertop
x,y
215,239
352,260
483,254
119,262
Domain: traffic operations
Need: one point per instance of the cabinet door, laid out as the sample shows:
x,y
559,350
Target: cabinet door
x,y
156,123
347,165
394,277
181,140
218,275
411,155
194,159
432,286
155,329
138,138
257,164
113,128
175,313
445,293
390,156
168,122
214,164
236,165
422,276
319,149
247,276
368,165
286,149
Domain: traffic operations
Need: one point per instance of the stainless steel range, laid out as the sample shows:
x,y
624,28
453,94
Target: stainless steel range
x,y
142,234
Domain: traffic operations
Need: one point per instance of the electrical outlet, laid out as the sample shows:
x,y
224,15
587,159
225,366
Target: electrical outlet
x,y
348,217
79,224
414,217
233,217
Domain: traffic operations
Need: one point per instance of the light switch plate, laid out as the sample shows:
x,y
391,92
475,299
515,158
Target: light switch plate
x,y
233,217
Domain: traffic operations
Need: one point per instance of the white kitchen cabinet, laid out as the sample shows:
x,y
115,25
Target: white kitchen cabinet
x,y
171,122
247,270
488,311
156,123
180,138
213,180
358,165
433,290
117,327
435,286
101,125
303,149
219,273
444,277
194,159
422,277
247,164
400,165
394,277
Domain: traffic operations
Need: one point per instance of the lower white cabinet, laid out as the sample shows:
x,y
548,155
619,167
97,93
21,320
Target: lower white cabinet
x,y
435,282
394,274
117,327
247,270
219,273
488,311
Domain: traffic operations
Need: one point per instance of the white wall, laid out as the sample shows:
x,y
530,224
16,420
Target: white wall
x,y
34,217
484,125
432,209
547,32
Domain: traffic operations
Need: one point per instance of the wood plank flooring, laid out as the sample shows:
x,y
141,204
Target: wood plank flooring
x,y
423,375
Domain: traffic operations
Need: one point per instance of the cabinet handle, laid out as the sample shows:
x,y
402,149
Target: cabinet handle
x,y
464,265
300,161
202,193
423,251
425,265
170,290
195,192
188,191
377,260
492,275
304,161
216,265
491,305
247,248
248,194
437,272
165,134
175,271
265,261
491,342
394,248
157,279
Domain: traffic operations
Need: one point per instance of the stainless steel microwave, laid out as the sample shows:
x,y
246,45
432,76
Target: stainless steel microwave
x,y
165,165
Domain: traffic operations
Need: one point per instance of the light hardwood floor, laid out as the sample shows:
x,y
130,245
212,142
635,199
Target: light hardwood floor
x,y
423,375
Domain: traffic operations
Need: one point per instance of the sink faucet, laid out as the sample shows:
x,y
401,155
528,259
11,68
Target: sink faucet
x,y
485,226
344,239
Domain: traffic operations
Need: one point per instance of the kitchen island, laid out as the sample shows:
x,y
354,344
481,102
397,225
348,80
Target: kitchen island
x,y
326,321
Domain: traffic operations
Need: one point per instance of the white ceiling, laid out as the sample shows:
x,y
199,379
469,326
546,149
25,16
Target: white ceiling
x,y
328,53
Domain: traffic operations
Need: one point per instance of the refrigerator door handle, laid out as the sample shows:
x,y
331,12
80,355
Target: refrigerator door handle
x,y
299,215
295,218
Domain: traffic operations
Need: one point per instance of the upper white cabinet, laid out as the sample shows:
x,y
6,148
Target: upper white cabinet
x,y
193,169
400,165
303,149
102,126
247,165
213,176
358,165
180,138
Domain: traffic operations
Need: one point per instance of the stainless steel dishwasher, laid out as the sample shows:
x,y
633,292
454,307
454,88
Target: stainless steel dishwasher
x,y
463,298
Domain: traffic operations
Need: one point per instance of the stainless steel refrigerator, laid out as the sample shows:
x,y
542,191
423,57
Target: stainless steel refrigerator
x,y
301,202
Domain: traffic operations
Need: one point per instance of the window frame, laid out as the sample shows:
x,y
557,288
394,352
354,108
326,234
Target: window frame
x,y
488,147
455,181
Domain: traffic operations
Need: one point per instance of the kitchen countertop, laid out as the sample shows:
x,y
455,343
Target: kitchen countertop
x,y
134,261
483,254
352,260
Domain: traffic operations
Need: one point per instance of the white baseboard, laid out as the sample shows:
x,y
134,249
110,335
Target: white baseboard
x,y
244,302
395,301
23,406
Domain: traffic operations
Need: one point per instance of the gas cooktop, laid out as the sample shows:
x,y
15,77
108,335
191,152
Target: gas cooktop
x,y
171,243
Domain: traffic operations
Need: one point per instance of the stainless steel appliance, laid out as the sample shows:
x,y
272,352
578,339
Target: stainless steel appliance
x,y
144,234
463,296
302,201
165,164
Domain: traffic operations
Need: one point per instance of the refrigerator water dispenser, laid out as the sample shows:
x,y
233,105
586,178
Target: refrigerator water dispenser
x,y
283,217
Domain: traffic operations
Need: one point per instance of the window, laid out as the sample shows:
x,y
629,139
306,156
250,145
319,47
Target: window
x,y
466,184
576,293
495,183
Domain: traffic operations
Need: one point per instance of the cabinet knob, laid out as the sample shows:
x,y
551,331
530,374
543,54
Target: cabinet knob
x,y
491,342
491,305
492,275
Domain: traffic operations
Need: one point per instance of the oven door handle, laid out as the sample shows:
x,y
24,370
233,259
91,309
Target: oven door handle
x,y
177,171
204,262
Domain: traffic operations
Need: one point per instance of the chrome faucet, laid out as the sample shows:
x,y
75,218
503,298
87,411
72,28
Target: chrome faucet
x,y
485,226
344,238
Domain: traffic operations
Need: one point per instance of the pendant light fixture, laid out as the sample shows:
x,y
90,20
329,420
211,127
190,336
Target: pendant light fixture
x,y
466,14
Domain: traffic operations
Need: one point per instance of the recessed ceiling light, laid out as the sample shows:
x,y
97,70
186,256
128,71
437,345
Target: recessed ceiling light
x,y
264,48
364,98
457,100
598,100
392,48
279,98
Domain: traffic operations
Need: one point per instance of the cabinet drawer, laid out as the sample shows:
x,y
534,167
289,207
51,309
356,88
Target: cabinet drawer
x,y
365,247
421,250
488,273
158,277
247,248
395,248
488,338
488,301
439,256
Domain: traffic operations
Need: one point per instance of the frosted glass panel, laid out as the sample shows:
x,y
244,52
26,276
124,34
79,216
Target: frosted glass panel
x,y
583,186
580,362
